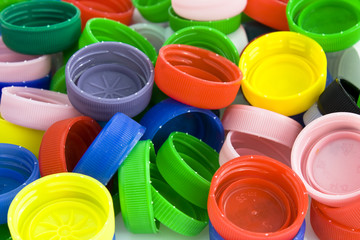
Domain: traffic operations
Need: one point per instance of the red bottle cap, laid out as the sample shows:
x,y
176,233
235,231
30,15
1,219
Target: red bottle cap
x,y
263,181
256,205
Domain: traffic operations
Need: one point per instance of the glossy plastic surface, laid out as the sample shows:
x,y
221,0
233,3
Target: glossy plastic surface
x,y
334,24
205,10
119,136
18,168
329,127
169,116
118,10
28,28
63,205
124,82
264,168
287,78
65,142
196,76
40,108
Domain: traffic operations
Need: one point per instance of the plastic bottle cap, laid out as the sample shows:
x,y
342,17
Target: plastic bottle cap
x,y
109,81
208,10
119,136
63,205
118,10
262,123
28,28
40,108
196,76
265,169
185,157
347,215
256,205
58,82
252,126
18,168
284,72
174,211
348,65
102,29
6,3
332,128
327,228
120,79
334,24
21,136
344,64
64,143
255,29
4,232
333,166
311,114
240,144
16,67
239,38
270,13
153,11
154,33
169,116
214,235
340,96
227,25
207,38
41,83
135,189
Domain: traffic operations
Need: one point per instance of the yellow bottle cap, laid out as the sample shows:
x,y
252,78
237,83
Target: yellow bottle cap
x,y
284,72
21,136
62,206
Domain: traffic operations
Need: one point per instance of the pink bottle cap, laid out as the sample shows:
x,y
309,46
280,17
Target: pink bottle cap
x,y
333,163
265,129
208,10
16,67
239,144
325,156
35,108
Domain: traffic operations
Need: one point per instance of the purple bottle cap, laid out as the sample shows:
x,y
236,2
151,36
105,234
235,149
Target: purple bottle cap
x,y
110,81
109,77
